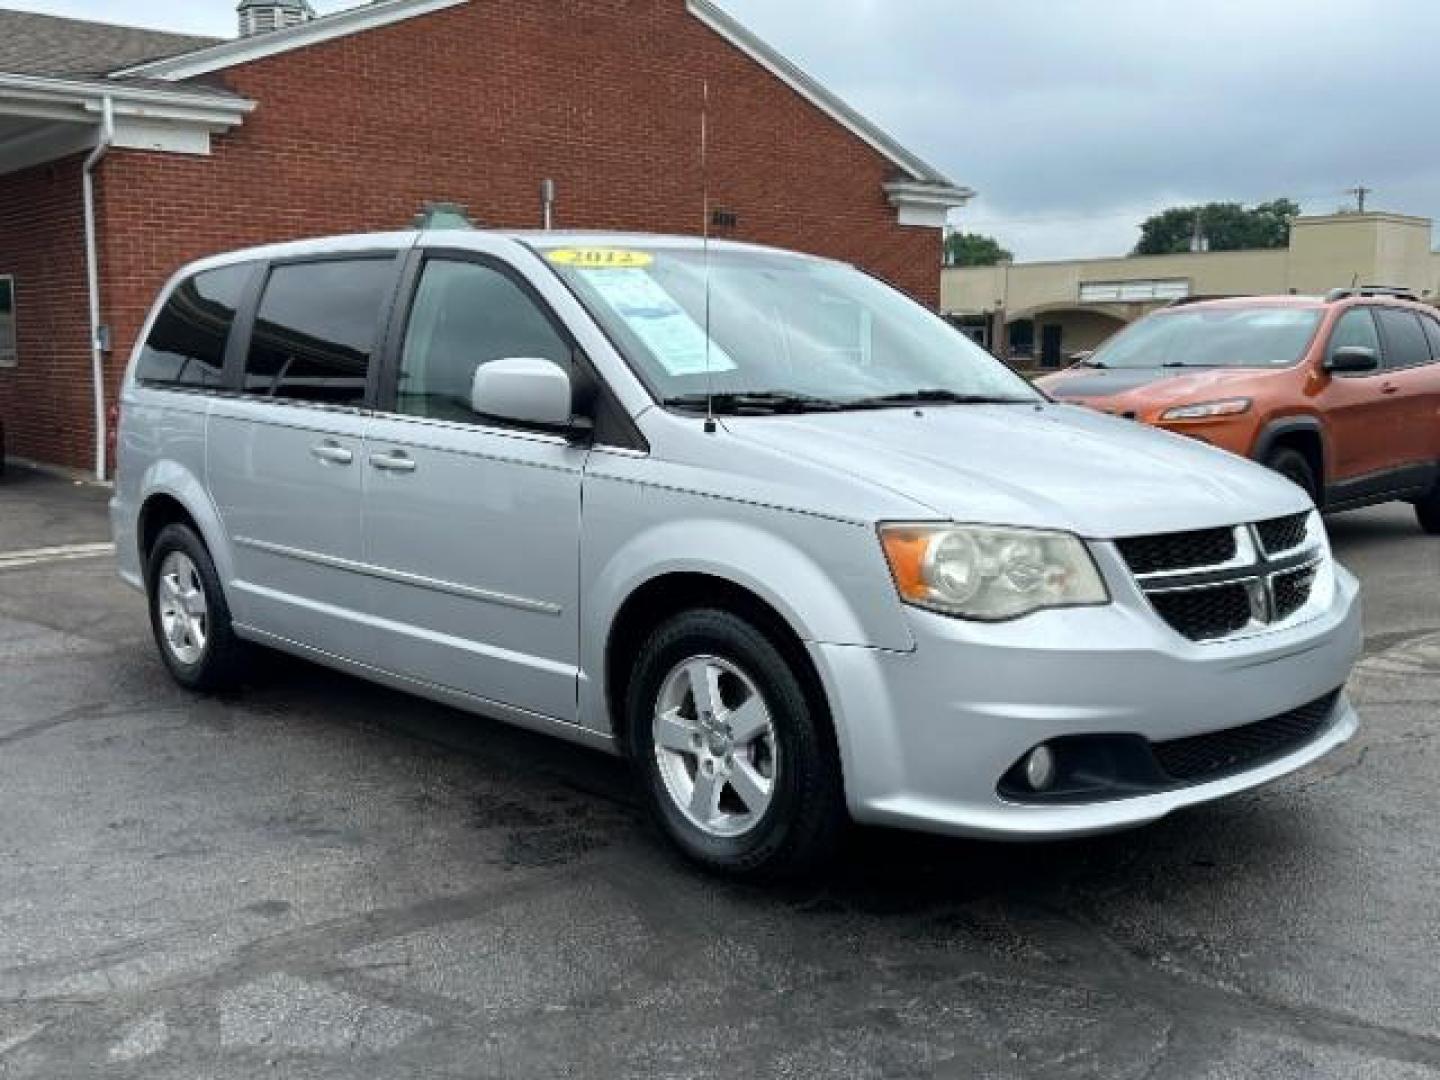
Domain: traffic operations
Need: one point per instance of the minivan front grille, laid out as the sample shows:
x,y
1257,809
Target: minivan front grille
x,y
1169,552
1283,534
1206,614
1212,584
1217,754
1292,591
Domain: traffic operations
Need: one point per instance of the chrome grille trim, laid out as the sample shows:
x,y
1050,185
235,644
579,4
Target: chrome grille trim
x,y
1293,572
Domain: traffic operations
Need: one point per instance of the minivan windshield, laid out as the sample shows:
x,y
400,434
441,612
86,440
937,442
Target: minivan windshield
x,y
787,333
1212,337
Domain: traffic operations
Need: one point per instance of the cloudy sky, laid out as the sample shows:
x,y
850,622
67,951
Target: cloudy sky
x,y
1074,119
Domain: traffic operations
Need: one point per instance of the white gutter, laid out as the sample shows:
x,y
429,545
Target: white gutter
x,y
92,275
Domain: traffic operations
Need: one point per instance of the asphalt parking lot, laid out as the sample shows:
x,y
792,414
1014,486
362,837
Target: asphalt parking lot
x,y
319,878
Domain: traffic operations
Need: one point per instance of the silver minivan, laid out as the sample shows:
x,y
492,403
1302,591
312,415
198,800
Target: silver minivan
x,y
781,536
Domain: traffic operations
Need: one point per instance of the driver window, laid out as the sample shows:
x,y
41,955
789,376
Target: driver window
x,y
1356,327
466,315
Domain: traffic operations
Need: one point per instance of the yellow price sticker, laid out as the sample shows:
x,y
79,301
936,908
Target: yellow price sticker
x,y
601,258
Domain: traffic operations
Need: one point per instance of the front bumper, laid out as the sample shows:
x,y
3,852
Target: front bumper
x,y
927,735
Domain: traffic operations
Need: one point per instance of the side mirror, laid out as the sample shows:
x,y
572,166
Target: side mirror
x,y
1081,356
526,390
1352,360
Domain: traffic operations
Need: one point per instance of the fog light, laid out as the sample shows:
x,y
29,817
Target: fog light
x,y
1040,768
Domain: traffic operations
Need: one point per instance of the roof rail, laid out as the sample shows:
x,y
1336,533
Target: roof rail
x,y
1396,292
1200,298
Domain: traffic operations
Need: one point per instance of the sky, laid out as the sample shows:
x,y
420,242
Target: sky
x,y
1075,119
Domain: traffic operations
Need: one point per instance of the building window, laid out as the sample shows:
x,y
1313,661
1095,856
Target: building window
x,y
9,353
1123,292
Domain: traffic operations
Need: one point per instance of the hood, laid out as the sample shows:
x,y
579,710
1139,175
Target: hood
x,y
1082,383
1042,466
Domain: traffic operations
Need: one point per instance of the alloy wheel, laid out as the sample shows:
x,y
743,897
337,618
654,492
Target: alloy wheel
x,y
715,746
184,614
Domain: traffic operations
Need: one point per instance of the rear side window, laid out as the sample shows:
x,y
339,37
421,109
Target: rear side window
x,y
316,330
186,346
1356,328
1432,331
1405,343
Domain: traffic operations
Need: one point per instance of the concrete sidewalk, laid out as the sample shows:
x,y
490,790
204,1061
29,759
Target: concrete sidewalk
x,y
42,510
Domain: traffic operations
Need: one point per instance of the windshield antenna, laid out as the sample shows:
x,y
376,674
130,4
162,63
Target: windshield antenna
x,y
710,426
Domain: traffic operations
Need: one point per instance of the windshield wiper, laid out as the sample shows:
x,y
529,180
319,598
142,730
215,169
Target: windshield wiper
x,y
753,403
931,397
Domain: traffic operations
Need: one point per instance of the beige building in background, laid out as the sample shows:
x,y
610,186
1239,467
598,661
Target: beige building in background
x,y
1051,310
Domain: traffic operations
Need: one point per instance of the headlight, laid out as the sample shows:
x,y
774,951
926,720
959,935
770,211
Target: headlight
x,y
990,574
1208,410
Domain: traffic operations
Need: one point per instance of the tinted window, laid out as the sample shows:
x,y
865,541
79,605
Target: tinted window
x,y
1405,343
316,329
186,346
1432,331
466,315
1355,328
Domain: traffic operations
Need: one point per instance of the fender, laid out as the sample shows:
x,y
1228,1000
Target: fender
x,y
168,477
772,567
1288,425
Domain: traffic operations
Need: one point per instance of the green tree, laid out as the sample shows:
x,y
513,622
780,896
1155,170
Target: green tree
x,y
1227,226
972,249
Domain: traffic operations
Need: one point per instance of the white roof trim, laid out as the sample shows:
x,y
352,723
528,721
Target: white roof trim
x,y
257,47
790,74
67,99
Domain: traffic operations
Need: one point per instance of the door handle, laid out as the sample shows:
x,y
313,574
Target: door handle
x,y
332,453
1389,388
397,462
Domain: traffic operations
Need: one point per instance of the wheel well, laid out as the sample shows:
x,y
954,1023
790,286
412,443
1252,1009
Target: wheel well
x,y
670,594
1306,442
158,512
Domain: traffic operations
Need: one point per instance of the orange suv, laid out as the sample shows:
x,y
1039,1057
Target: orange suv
x,y
1341,394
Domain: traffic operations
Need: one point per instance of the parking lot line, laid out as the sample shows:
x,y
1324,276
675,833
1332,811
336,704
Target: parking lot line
x,y
13,560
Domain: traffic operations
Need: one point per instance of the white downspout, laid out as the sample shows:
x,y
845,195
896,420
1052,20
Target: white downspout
x,y
92,274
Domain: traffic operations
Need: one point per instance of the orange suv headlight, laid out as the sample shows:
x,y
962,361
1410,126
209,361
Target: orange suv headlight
x,y
1208,410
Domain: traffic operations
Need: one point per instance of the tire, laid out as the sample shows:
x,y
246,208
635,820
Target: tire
x,y
1292,465
774,804
1427,512
188,613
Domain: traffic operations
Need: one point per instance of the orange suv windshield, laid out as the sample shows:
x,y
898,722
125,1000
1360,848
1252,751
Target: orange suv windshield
x,y
1213,337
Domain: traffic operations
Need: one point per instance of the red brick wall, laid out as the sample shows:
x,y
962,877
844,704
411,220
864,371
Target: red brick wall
x,y
477,104
46,402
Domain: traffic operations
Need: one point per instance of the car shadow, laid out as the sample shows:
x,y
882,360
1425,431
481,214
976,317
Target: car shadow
x,y
879,871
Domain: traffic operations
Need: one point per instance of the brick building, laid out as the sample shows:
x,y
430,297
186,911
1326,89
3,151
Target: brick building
x,y
152,149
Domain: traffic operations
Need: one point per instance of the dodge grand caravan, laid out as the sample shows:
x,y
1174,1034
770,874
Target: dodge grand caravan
x,y
770,529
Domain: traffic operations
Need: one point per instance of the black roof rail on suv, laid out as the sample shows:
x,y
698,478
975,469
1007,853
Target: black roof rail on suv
x,y
1395,292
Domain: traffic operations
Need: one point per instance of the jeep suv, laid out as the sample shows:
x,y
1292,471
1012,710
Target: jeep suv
x,y
785,539
1340,394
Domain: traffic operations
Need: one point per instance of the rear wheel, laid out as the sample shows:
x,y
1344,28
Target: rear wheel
x,y
732,755
1294,466
188,613
1427,510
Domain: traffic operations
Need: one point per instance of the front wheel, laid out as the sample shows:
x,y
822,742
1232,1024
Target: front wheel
x,y
1292,465
732,756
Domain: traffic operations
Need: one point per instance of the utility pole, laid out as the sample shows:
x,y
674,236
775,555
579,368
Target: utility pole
x,y
1360,191
1199,242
